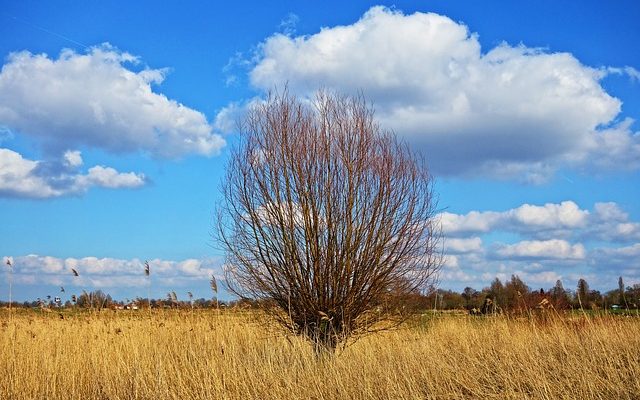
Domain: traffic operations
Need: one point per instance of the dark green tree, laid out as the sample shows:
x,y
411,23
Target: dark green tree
x,y
622,297
582,293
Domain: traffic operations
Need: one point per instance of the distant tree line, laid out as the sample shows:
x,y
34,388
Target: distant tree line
x,y
513,295
99,300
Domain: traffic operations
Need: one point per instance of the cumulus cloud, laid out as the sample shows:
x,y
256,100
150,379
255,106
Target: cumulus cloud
x,y
541,244
617,147
472,222
506,112
450,262
609,211
607,222
73,158
227,118
98,100
628,254
21,177
458,276
553,249
111,272
562,217
550,216
611,262
456,245
610,223
109,178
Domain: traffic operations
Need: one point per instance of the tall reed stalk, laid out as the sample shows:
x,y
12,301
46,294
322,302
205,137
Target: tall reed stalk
x,y
10,264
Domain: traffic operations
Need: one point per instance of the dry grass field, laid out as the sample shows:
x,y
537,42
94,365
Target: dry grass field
x,y
205,355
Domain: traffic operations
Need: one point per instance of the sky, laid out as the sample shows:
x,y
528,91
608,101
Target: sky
x,y
116,120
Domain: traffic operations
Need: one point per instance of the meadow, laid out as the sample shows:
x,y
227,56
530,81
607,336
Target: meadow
x,y
209,354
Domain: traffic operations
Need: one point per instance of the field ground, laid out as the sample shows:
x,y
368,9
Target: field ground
x,y
229,355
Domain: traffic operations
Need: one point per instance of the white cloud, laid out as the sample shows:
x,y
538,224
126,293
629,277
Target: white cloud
x,y
17,177
557,217
609,211
454,245
617,147
97,100
111,272
550,216
553,249
109,178
610,223
73,158
450,262
228,117
627,254
612,262
473,222
21,177
457,276
543,243
509,112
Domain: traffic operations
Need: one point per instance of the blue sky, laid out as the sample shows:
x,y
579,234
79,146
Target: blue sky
x,y
116,117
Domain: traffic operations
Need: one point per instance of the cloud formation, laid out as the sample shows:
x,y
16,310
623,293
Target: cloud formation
x,y
98,100
553,249
541,244
107,273
24,178
612,224
511,111
559,218
584,246
467,245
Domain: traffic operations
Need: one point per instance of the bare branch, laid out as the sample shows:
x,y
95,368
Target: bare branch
x,y
326,217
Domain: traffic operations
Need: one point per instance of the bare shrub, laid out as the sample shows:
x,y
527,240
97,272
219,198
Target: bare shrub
x,y
326,218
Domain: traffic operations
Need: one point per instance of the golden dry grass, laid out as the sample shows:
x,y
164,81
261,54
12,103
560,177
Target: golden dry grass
x,y
203,355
